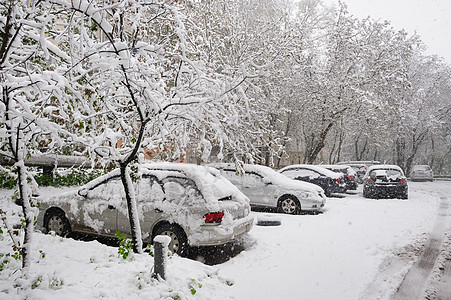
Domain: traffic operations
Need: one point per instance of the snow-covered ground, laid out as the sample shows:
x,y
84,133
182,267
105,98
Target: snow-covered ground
x,y
357,249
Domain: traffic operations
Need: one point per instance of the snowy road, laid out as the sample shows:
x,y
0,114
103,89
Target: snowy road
x,y
435,259
358,249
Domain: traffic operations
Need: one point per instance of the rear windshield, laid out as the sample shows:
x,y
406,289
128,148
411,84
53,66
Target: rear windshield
x,y
389,173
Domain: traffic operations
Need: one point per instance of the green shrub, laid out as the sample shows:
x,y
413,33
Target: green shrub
x,y
74,178
125,245
7,181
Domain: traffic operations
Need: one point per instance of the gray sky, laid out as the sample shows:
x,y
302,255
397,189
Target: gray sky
x,y
431,19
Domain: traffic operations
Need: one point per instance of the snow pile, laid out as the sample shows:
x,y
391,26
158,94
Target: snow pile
x,y
66,268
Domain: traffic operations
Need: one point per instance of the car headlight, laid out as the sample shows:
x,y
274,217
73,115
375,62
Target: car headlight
x,y
311,196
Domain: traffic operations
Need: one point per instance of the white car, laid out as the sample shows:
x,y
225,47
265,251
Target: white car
x,y
421,172
194,205
267,188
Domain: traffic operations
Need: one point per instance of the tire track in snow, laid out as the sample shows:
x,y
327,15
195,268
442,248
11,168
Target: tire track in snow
x,y
416,281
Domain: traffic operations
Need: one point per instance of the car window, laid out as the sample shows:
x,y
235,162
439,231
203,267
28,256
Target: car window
x,y
303,173
181,191
390,173
393,173
232,176
110,190
148,189
290,173
252,179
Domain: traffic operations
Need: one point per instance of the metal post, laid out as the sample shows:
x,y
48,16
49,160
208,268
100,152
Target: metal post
x,y
160,244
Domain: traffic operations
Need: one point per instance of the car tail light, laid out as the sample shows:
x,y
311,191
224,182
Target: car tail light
x,y
215,217
402,181
351,177
370,181
337,180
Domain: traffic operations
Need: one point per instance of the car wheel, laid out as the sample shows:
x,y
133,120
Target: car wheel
x,y
55,220
366,194
404,196
289,205
178,243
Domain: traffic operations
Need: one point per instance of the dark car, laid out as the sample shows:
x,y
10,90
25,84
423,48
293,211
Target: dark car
x,y
330,181
350,175
385,181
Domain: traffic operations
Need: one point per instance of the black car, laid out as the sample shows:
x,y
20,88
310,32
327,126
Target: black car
x,y
330,181
385,181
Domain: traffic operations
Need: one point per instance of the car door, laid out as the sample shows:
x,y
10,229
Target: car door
x,y
256,189
147,192
100,207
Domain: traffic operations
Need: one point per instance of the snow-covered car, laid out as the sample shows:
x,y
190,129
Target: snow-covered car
x,y
350,176
329,181
421,172
267,188
194,205
385,181
360,166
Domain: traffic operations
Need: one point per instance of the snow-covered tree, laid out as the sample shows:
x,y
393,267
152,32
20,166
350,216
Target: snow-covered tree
x,y
246,40
147,85
356,68
424,110
32,90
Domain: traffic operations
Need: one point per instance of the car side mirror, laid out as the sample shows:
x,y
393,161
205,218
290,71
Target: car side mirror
x,y
83,192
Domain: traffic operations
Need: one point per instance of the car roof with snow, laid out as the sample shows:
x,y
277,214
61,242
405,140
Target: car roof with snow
x,y
349,169
318,169
208,180
272,176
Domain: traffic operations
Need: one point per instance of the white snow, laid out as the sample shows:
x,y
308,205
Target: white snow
x,y
335,255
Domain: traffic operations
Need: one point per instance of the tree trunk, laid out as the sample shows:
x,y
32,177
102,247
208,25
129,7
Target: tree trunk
x,y
314,151
135,227
27,212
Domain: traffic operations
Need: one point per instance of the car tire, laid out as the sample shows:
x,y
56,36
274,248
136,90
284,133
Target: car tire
x,y
179,241
366,194
404,196
56,220
289,205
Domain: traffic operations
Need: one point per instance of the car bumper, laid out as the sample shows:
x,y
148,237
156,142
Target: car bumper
x,y
386,191
351,185
314,205
337,189
421,177
213,235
